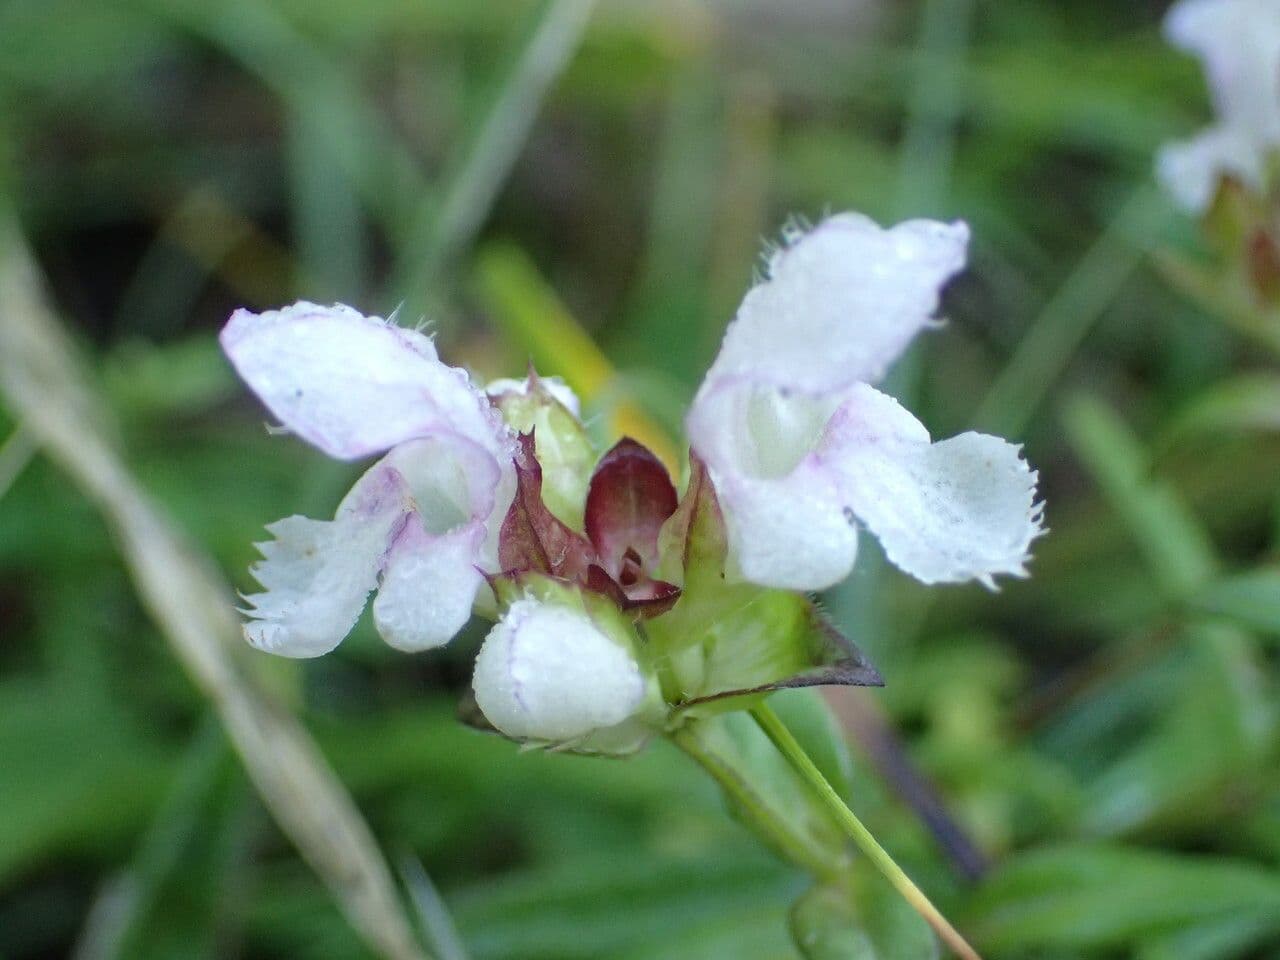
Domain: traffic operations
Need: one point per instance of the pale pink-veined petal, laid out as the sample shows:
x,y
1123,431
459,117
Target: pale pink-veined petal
x,y
353,385
841,303
456,482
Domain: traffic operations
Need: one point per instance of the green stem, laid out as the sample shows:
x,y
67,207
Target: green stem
x,y
788,746
768,823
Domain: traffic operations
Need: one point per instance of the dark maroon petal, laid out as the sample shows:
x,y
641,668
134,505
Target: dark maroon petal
x,y
630,497
531,537
651,598
643,600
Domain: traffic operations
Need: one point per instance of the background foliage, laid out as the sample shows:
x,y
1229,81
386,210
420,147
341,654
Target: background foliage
x,y
1105,732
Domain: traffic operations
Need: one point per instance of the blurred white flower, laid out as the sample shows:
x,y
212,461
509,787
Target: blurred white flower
x,y
1238,42
419,525
548,672
800,447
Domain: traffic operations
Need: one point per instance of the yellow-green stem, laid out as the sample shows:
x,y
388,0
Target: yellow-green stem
x,y
790,748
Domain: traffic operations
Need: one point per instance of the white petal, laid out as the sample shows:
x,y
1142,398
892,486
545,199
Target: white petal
x,y
944,512
452,479
1239,44
841,303
788,533
317,574
430,579
353,385
783,510
456,482
1192,170
548,673
428,586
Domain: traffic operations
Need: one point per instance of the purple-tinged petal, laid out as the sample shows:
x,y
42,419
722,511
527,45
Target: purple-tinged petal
x,y
354,385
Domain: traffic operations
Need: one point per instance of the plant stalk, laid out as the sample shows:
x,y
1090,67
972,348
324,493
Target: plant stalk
x,y
767,823
800,761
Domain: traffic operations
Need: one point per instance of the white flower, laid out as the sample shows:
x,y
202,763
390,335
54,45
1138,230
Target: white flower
x,y
1239,43
547,672
419,525
799,447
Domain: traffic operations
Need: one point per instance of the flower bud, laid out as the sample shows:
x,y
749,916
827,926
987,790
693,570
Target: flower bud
x,y
547,672
547,408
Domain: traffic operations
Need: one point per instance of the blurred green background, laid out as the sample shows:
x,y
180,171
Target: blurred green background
x,y
1104,733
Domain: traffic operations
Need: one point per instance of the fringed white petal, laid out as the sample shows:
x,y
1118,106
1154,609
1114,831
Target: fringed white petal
x,y
962,509
353,385
547,673
420,518
841,303
317,574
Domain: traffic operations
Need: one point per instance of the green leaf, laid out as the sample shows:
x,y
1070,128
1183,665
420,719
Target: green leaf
x,y
871,922
1089,896
1210,745
1251,599
1249,403
1174,544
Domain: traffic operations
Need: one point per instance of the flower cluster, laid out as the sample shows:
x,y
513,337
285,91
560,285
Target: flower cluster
x,y
1239,43
620,603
